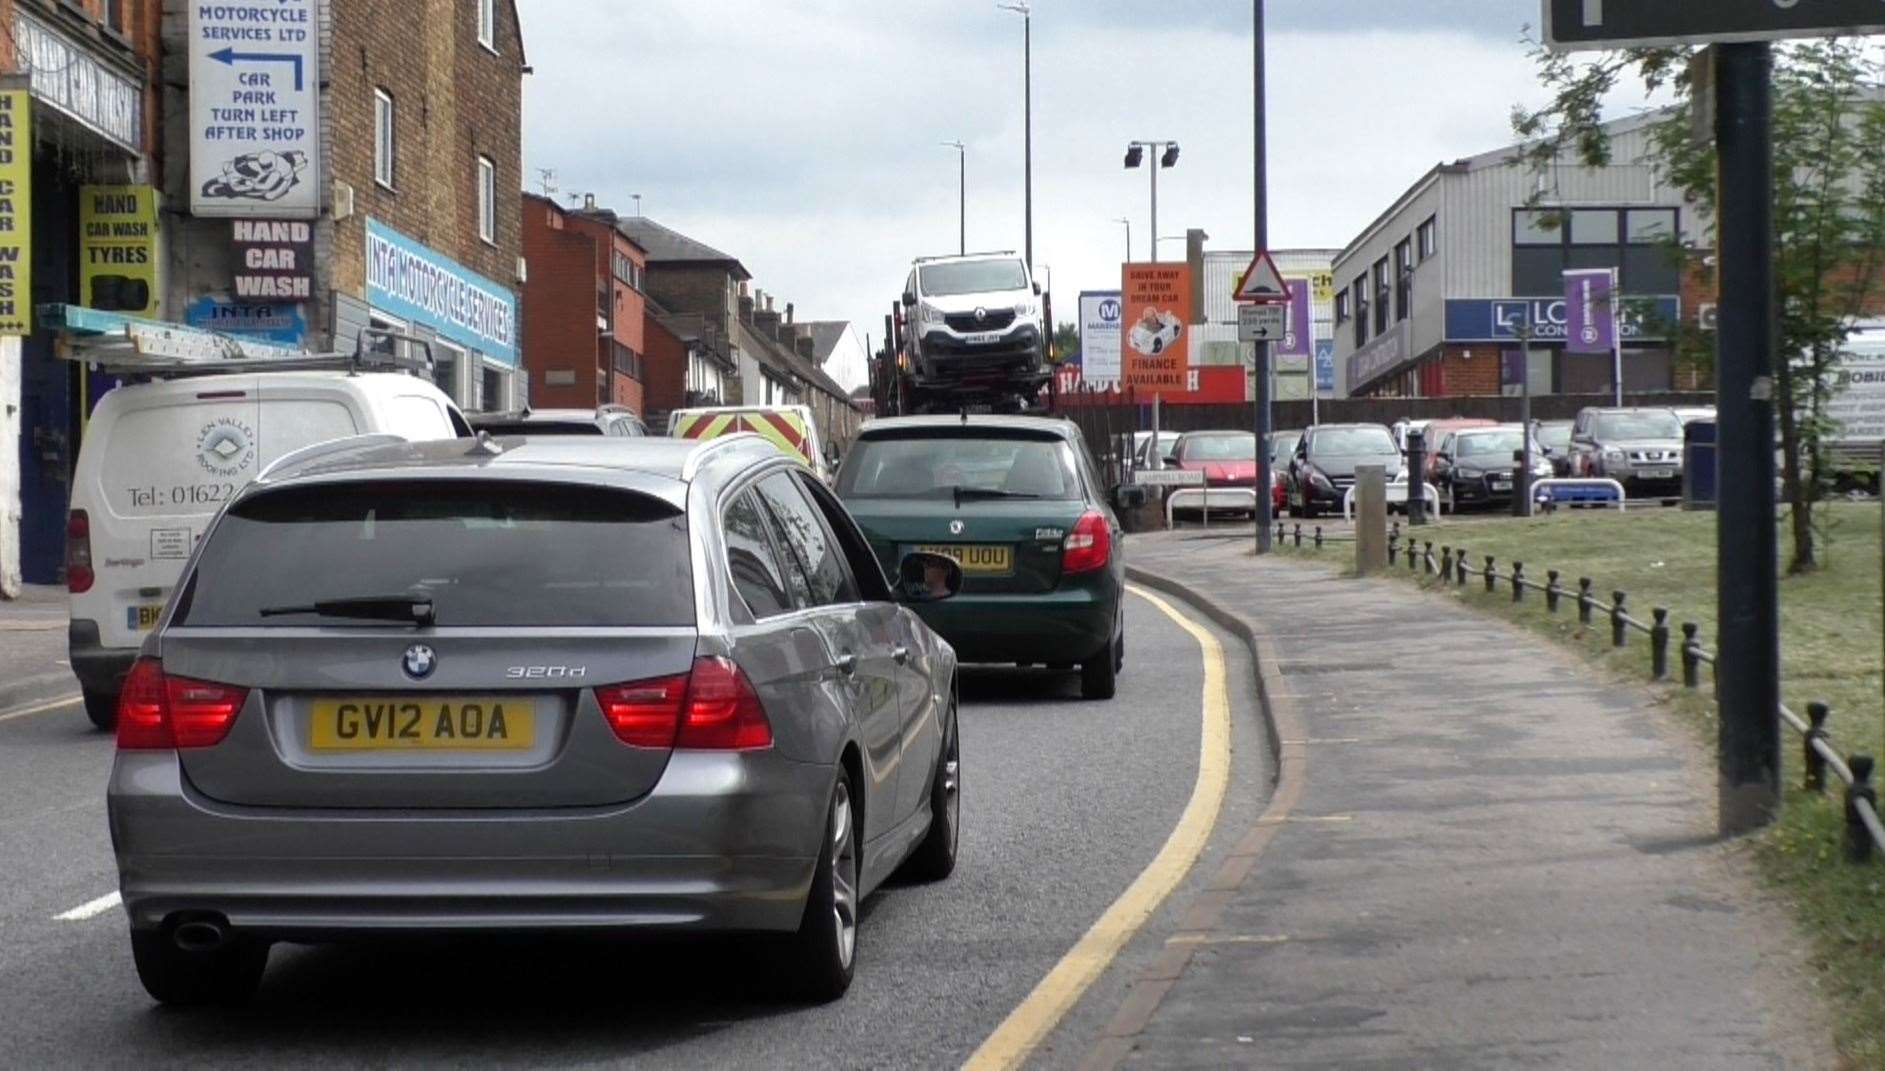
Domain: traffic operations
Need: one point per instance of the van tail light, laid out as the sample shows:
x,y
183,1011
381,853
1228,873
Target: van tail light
x,y
78,552
712,708
1088,547
159,711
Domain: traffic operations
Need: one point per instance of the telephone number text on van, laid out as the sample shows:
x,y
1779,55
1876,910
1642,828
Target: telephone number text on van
x,y
183,494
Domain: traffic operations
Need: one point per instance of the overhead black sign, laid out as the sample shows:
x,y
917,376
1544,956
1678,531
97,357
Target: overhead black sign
x,y
1574,25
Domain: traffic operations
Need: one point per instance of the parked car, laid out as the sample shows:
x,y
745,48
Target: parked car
x,y
680,661
1228,459
1282,448
1554,437
1435,433
790,428
616,420
1015,500
1142,448
160,458
1639,448
1475,466
1323,467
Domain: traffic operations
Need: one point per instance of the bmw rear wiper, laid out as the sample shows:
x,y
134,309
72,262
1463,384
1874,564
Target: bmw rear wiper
x,y
416,609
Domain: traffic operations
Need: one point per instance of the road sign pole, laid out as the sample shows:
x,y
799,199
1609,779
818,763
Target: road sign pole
x,y
1747,672
1260,359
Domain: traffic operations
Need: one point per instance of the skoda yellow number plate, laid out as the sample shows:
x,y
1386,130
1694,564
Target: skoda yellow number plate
x,y
986,559
442,723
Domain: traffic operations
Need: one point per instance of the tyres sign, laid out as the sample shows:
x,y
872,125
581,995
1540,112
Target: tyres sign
x,y
255,123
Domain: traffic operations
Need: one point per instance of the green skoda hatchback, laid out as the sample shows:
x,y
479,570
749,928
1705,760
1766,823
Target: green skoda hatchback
x,y
1016,502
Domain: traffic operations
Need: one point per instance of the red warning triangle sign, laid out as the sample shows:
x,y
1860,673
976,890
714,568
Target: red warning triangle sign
x,y
1262,283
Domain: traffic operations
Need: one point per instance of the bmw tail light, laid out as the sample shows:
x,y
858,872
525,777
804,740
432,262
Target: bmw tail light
x,y
78,552
723,710
1088,547
158,711
712,708
644,713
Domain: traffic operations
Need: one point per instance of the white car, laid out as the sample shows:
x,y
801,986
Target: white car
x,y
160,458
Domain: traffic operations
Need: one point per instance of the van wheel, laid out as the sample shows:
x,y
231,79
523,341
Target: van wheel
x,y
171,975
102,708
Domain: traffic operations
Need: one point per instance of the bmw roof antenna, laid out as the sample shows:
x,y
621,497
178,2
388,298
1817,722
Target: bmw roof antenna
x,y
486,445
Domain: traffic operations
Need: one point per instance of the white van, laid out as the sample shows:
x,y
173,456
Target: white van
x,y
160,458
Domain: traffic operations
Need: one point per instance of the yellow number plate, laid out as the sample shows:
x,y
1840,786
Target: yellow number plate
x,y
142,618
982,558
433,723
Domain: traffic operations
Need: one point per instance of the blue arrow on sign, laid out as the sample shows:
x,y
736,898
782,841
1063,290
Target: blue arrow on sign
x,y
230,56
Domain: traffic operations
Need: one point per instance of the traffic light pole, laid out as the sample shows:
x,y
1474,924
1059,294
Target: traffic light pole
x,y
1747,667
1260,361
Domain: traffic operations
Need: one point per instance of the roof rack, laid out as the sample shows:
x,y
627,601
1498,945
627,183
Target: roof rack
x,y
149,349
331,448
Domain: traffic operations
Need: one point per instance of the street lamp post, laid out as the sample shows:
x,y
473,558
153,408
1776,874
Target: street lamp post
x,y
1022,8
1127,223
962,195
1167,157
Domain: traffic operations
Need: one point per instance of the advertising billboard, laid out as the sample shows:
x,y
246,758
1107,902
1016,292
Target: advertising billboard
x,y
1155,339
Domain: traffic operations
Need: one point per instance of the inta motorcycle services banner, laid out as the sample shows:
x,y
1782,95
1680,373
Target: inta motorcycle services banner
x,y
255,112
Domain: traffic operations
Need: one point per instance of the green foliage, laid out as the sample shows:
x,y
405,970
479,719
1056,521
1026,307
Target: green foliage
x,y
1066,343
1829,208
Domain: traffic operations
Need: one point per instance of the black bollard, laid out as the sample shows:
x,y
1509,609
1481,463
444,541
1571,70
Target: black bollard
x,y
1617,634
1659,645
1691,655
1552,592
1859,838
1817,713
1518,581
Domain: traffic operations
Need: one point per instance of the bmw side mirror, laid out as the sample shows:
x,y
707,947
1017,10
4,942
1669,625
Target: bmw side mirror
x,y
923,577
1037,290
909,299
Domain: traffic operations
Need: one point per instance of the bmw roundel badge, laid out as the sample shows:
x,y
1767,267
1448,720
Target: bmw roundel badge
x,y
420,661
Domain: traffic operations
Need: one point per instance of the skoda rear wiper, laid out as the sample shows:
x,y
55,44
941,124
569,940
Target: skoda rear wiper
x,y
416,609
986,492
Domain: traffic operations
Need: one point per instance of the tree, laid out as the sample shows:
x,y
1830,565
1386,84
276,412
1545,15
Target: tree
x,y
1067,343
1829,209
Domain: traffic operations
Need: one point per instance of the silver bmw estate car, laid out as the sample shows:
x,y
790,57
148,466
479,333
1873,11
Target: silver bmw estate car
x,y
530,685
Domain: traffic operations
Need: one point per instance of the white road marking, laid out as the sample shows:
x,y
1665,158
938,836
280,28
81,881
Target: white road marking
x,y
41,708
90,909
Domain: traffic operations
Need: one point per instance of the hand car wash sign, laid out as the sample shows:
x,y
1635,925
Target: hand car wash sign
x,y
255,123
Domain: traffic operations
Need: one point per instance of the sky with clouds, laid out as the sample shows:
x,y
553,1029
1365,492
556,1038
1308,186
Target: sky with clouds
x,y
803,136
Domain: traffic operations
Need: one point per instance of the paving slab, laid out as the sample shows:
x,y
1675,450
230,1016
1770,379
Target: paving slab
x,y
1499,855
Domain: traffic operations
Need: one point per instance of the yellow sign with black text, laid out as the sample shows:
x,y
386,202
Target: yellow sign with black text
x,y
118,249
16,212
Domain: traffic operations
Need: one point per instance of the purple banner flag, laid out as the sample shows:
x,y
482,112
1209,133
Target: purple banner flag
x,y
1590,310
1299,336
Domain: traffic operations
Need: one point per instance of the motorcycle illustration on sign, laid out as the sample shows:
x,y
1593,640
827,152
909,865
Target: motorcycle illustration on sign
x,y
258,176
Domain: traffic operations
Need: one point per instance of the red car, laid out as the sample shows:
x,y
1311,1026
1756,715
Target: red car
x,y
1227,458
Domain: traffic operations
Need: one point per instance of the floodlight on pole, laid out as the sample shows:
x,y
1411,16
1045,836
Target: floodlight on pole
x,y
962,194
1167,157
1023,9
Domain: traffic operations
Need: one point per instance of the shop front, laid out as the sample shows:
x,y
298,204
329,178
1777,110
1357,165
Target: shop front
x,y
469,321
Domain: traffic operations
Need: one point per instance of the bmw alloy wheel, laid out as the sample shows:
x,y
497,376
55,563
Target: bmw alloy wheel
x,y
844,873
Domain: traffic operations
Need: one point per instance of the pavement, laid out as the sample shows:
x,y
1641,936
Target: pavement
x,y
1481,851
33,666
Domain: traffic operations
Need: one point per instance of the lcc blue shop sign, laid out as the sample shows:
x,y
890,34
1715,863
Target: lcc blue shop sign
x,y
1644,319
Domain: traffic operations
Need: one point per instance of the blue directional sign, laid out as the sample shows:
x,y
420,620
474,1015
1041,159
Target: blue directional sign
x,y
232,57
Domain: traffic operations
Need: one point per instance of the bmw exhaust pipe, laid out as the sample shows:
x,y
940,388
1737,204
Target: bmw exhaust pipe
x,y
200,935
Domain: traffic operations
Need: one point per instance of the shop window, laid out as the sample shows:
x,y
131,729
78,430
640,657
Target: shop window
x,y
1594,227
1429,238
487,199
1341,307
1652,269
1360,289
493,396
385,143
1652,226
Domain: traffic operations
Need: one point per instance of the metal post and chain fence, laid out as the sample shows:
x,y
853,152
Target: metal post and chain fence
x,y
1865,833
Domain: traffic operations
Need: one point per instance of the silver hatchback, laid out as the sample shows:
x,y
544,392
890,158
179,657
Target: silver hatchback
x,y
530,685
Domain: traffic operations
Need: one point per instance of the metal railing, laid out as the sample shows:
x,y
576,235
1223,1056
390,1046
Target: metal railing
x,y
1865,833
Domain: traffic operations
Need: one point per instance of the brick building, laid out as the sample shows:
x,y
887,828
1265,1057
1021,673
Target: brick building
x,y
420,193
584,312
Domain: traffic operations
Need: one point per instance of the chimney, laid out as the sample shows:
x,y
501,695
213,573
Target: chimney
x,y
589,202
767,322
788,312
1194,256
746,309
768,302
803,344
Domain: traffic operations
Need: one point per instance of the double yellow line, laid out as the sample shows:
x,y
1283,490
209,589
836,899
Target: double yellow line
x,y
1035,1017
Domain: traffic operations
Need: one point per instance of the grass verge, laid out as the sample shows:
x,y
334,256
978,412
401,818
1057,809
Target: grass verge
x,y
1830,650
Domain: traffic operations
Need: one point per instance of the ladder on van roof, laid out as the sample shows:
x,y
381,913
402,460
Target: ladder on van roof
x,y
127,346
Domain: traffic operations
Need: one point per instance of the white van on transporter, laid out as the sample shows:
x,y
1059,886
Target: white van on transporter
x,y
159,458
